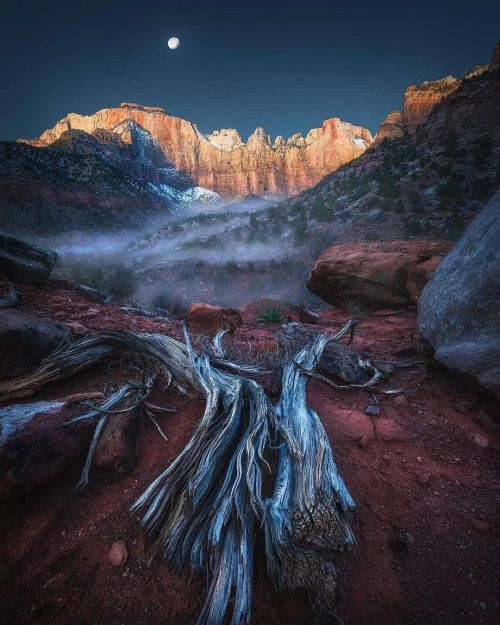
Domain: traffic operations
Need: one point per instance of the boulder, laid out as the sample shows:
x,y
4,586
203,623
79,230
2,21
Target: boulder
x,y
389,430
337,359
351,425
25,340
459,309
375,275
33,449
117,446
207,318
22,262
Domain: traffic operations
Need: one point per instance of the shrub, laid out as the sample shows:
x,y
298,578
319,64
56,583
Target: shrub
x,y
482,150
414,196
371,236
109,280
450,143
272,315
321,211
481,187
414,227
398,206
166,299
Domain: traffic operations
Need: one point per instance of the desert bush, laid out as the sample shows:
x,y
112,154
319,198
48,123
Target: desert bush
x,y
371,236
398,206
413,227
321,211
482,150
111,280
272,315
414,196
167,299
480,187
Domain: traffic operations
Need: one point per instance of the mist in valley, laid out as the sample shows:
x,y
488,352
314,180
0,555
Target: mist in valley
x,y
202,255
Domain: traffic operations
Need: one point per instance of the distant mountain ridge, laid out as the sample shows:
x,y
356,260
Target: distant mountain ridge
x,y
221,161
99,181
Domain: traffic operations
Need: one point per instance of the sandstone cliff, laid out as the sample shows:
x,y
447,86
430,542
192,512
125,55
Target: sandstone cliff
x,y
420,100
391,127
222,161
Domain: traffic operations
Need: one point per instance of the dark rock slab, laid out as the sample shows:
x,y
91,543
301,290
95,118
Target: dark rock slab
x,y
22,262
459,309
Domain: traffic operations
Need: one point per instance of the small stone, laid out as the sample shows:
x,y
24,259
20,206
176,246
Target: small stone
x,y
483,605
118,553
424,478
77,327
481,441
419,459
400,401
481,526
363,441
372,411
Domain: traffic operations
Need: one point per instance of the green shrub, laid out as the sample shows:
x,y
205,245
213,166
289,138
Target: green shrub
x,y
272,315
482,150
398,206
371,236
414,227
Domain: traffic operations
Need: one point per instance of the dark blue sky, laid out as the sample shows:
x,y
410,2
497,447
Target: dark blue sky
x,y
283,65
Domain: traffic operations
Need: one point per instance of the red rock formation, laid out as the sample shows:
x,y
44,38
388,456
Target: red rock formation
x,y
391,127
419,100
207,318
221,161
376,275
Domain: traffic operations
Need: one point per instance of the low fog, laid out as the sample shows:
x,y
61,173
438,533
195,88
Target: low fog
x,y
203,256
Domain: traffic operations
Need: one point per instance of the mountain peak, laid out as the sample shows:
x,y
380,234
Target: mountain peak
x,y
227,139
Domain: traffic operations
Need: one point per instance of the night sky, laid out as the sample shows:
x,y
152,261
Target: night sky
x,y
283,65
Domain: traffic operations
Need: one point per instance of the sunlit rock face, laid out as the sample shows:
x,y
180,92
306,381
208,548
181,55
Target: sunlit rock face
x,y
419,100
221,161
391,127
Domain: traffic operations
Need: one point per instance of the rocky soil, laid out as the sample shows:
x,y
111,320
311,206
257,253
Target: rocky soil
x,y
423,472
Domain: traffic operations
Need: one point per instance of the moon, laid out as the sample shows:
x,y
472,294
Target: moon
x,y
173,43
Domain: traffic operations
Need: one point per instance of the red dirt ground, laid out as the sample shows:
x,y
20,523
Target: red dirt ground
x,y
427,519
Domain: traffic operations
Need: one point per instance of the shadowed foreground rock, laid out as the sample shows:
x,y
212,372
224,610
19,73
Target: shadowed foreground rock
x,y
459,309
25,340
388,274
117,446
33,449
23,262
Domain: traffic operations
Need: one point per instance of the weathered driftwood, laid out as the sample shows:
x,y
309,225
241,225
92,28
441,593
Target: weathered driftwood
x,y
203,511
9,299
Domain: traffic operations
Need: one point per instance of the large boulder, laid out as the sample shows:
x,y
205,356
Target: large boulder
x,y
459,309
22,262
25,340
34,449
375,275
207,318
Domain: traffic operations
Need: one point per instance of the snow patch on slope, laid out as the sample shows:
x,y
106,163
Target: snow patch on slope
x,y
187,196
